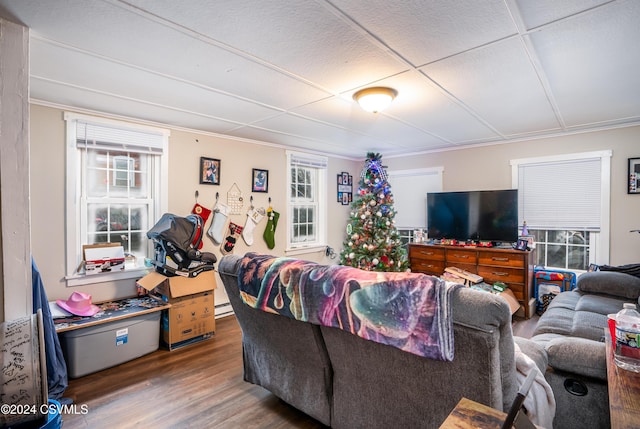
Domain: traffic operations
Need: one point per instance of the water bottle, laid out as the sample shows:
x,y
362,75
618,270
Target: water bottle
x,y
627,352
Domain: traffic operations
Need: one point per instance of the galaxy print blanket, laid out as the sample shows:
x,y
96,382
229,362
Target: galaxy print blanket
x,y
409,311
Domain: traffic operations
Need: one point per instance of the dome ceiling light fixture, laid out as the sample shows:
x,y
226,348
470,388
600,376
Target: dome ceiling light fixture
x,y
375,99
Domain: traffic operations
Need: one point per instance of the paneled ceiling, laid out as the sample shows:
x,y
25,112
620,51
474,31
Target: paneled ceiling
x,y
467,72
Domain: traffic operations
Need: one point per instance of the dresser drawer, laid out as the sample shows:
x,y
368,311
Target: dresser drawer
x,y
426,252
435,268
461,256
501,274
502,259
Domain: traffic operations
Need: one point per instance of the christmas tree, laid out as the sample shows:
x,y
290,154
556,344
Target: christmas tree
x,y
372,241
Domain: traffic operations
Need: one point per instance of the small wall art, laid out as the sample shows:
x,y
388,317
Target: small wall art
x,y
345,188
634,176
209,171
260,180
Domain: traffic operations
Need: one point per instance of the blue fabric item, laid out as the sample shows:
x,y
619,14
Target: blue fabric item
x,y
57,379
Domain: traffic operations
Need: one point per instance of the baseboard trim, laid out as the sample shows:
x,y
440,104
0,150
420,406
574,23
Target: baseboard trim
x,y
223,310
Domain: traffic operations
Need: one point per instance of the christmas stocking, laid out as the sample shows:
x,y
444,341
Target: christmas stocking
x,y
254,216
270,231
216,229
230,241
204,213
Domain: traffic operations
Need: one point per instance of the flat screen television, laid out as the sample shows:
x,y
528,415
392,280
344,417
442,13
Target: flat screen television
x,y
473,215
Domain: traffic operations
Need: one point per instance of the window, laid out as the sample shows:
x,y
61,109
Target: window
x,y
565,202
410,188
124,171
115,189
306,229
562,248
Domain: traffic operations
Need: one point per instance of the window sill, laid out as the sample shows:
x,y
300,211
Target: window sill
x,y
293,251
83,279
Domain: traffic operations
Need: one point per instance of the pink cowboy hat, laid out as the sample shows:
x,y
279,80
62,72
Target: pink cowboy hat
x,y
79,303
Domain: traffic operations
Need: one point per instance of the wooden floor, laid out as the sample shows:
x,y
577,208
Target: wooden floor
x,y
199,386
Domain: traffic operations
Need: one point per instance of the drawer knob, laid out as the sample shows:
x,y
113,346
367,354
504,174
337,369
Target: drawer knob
x,y
500,274
495,258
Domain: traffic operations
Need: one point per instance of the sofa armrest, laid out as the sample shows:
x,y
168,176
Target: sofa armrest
x,y
579,356
535,351
610,283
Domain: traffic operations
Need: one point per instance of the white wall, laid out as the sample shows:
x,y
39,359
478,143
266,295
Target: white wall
x,y
185,149
487,167
476,168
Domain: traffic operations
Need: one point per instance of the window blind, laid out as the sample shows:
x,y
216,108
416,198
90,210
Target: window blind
x,y
410,188
108,137
560,195
307,160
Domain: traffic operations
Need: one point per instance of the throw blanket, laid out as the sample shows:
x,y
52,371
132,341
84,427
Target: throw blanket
x,y
539,402
632,269
406,310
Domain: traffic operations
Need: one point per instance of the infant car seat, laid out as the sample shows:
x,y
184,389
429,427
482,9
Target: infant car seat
x,y
176,241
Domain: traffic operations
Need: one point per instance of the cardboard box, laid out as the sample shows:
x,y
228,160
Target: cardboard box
x,y
103,258
511,299
191,317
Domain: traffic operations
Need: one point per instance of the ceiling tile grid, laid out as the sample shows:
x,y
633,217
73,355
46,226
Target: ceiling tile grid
x,y
284,73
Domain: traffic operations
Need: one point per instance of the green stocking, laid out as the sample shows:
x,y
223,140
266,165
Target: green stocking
x,y
270,231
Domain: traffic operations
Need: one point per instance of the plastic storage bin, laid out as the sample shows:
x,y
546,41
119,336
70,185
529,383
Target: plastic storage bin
x,y
547,282
95,348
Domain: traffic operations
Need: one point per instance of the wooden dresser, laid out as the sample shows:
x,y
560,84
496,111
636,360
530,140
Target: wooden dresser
x,y
510,266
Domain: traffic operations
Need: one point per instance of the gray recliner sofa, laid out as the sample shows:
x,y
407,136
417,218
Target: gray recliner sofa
x,y
345,381
572,332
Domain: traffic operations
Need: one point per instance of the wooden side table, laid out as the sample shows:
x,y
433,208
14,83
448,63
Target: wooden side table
x,y
624,392
469,414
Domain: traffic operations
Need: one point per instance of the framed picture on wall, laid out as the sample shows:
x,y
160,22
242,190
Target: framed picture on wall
x,y
259,180
209,171
345,188
634,176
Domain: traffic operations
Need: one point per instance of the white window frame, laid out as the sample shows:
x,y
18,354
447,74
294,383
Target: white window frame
x,y
599,249
320,243
76,222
